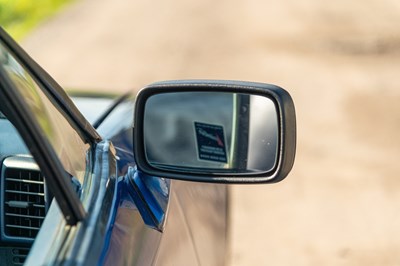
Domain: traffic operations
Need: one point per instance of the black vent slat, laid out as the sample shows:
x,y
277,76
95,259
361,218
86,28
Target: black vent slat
x,y
24,192
25,181
39,206
23,227
24,202
25,216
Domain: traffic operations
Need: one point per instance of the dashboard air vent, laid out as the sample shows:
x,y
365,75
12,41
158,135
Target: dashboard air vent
x,y
23,199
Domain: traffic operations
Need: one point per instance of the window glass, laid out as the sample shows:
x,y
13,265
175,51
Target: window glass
x,y
66,142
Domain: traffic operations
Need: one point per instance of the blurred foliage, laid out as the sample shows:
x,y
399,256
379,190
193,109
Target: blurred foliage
x,y
17,17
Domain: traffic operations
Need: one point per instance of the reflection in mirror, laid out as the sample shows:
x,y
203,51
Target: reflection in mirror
x,y
213,132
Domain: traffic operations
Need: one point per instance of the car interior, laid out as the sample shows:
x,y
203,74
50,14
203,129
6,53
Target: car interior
x,y
24,197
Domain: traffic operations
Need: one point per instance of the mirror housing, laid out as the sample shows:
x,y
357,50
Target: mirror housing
x,y
215,131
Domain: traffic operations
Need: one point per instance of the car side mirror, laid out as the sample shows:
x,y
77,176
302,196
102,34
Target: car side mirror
x,y
215,131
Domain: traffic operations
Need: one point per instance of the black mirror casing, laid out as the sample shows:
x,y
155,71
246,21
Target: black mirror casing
x,y
286,141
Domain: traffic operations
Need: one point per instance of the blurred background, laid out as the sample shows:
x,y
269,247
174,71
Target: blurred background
x,y
340,60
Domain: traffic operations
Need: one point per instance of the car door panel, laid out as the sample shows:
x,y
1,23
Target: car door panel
x,y
196,227
132,242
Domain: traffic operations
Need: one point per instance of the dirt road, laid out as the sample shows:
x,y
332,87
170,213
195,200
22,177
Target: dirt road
x,y
340,60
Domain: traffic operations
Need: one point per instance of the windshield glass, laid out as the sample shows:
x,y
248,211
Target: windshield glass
x,y
65,140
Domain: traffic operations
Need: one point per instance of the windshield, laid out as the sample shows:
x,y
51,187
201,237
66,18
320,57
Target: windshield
x,y
66,142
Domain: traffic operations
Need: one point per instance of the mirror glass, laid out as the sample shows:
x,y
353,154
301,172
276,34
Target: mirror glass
x,y
214,132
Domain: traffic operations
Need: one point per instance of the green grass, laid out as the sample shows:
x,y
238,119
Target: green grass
x,y
18,17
